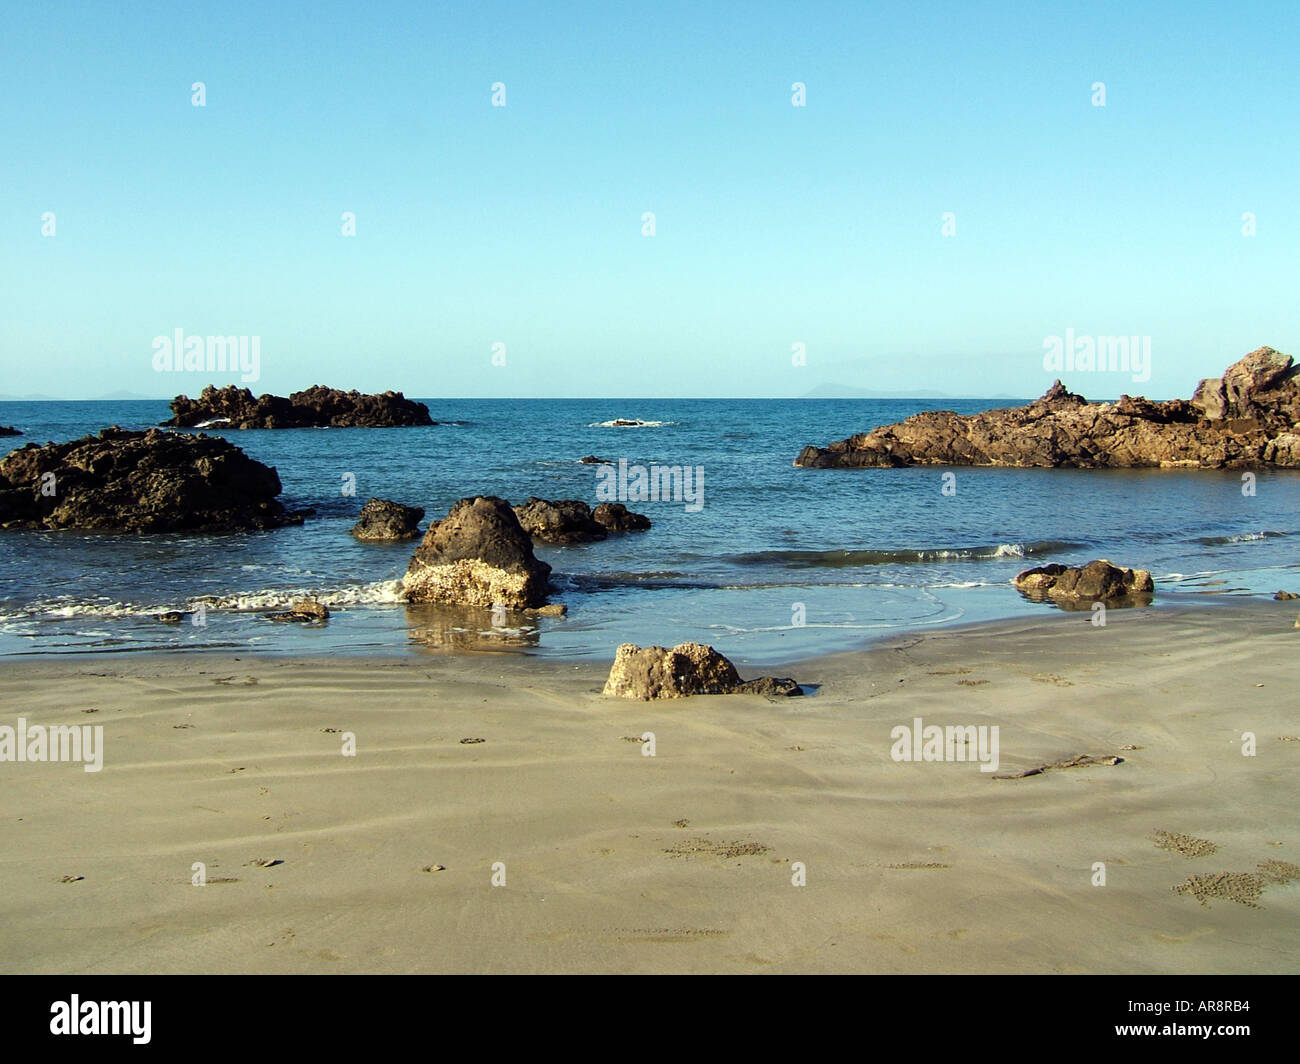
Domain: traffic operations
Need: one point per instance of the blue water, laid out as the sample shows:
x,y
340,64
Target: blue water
x,y
851,553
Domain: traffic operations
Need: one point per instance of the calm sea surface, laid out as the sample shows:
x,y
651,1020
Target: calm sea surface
x,y
779,563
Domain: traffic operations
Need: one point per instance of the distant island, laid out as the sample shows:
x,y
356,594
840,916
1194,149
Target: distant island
x,y
317,407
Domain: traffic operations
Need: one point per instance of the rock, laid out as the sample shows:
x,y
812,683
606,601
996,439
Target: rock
x,y
554,609
591,459
561,521
618,518
1248,418
384,520
1285,596
648,673
9,430
140,482
1098,581
170,617
304,610
477,555
317,407
771,686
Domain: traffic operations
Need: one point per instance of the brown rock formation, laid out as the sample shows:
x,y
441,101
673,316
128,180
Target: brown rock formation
x,y
478,555
384,520
1248,418
648,673
1098,581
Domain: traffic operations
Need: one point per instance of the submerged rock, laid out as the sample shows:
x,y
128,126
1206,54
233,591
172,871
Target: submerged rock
x,y
9,430
317,407
306,610
648,673
1098,581
140,482
478,555
384,520
1248,418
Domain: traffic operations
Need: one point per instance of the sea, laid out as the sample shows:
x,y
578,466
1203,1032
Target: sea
x,y
767,562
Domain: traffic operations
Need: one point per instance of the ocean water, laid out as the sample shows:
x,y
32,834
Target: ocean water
x,y
777,564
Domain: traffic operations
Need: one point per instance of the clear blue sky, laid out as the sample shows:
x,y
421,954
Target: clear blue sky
x,y
522,225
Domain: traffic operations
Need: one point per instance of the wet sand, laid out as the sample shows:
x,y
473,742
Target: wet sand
x,y
614,861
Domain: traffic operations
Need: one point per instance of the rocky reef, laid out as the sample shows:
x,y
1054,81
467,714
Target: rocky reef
x,y
317,407
140,482
1248,418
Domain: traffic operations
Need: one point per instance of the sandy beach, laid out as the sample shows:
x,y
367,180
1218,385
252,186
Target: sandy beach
x,y
614,861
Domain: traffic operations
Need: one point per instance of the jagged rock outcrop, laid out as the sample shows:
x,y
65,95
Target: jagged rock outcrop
x,y
382,520
140,482
478,555
649,673
1098,581
559,521
1248,418
317,407
618,518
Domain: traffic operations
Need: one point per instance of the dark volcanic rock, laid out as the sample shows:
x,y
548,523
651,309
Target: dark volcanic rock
x,y
140,482
384,520
618,518
1250,417
478,555
7,430
687,669
561,521
317,407
591,459
1098,581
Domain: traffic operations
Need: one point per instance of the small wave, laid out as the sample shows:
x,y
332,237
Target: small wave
x,y
212,423
379,593
840,559
629,423
1241,537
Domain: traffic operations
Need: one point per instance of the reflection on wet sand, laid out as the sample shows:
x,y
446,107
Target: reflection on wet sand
x,y
444,627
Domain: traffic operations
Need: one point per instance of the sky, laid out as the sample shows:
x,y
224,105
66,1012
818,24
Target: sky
x,y
794,249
